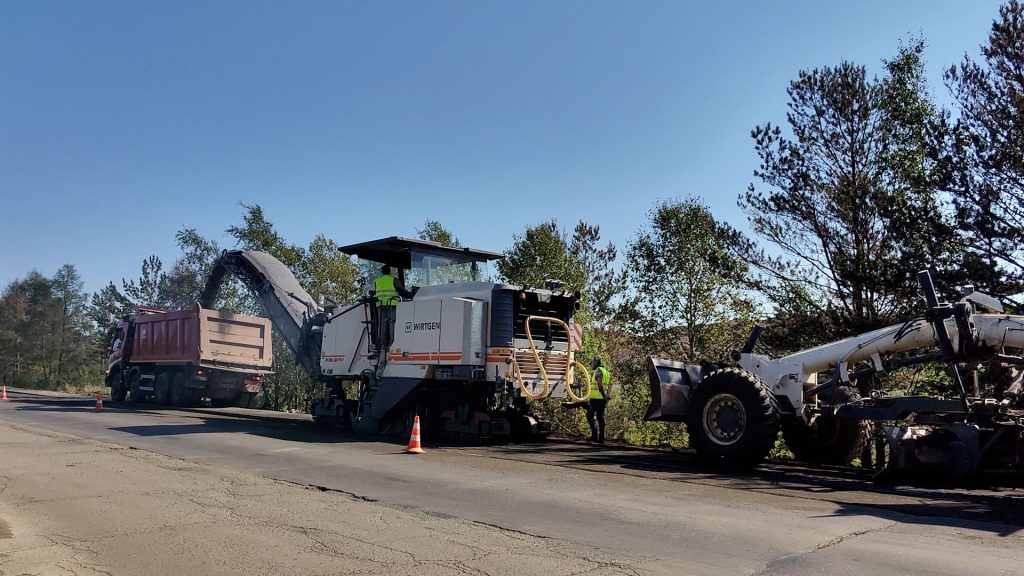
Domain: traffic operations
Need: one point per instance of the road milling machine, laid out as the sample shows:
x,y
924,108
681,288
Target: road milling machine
x,y
466,355
734,413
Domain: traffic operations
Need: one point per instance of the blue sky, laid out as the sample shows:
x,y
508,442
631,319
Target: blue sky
x,y
122,122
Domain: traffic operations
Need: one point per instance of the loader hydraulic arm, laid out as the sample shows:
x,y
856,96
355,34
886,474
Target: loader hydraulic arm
x,y
958,333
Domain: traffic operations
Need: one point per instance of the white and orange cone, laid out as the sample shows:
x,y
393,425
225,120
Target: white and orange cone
x,y
414,441
3,396
99,400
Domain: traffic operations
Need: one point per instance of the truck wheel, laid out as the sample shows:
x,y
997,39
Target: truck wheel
x,y
180,396
827,439
134,381
733,418
118,391
162,389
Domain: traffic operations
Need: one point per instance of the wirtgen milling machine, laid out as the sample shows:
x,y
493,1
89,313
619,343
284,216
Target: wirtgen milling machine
x,y
467,354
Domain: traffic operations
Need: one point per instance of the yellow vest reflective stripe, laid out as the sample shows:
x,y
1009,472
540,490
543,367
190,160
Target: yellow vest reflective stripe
x,y
606,381
384,288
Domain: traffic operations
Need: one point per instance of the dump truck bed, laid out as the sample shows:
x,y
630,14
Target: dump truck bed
x,y
204,337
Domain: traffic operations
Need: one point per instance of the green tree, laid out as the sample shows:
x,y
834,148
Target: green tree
x,y
681,303
987,172
602,283
327,272
105,308
539,254
71,344
258,233
13,315
850,202
44,330
149,289
433,231
40,327
183,284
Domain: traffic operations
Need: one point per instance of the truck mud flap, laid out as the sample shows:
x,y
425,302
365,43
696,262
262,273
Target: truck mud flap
x,y
670,388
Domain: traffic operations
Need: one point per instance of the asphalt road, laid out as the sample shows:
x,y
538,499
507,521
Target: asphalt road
x,y
630,511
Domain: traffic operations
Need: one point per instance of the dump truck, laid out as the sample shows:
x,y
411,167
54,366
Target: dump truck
x,y
180,357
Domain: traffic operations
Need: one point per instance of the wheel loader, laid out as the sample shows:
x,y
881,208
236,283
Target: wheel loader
x,y
734,412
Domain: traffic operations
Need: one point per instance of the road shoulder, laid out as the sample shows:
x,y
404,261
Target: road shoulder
x,y
71,505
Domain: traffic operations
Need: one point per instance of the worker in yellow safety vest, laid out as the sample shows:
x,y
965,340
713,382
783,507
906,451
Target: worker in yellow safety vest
x,y
388,291
599,392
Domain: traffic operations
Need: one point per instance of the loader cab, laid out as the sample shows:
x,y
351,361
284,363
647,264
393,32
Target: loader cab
x,y
417,264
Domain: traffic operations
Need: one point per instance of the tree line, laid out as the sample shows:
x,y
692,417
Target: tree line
x,y
865,181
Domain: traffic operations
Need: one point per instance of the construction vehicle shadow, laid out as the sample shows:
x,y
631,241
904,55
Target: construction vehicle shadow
x,y
990,504
180,421
300,426
939,514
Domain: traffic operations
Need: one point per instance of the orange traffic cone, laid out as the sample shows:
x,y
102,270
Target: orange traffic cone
x,y
3,396
99,400
414,440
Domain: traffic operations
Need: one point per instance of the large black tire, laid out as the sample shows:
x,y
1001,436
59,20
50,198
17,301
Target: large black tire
x,y
827,440
162,389
134,382
733,418
180,396
118,390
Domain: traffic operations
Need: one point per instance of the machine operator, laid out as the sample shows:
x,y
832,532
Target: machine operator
x,y
389,291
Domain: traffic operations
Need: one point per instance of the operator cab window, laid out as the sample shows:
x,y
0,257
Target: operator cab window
x,y
431,270
118,338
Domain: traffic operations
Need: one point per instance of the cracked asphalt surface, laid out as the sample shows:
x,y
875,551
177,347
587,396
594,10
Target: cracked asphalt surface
x,y
159,491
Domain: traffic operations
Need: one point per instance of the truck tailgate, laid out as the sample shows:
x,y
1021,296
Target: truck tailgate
x,y
235,342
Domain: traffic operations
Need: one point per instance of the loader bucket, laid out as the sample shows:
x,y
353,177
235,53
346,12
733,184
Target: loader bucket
x,y
670,388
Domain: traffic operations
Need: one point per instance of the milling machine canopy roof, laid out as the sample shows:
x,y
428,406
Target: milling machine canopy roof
x,y
397,252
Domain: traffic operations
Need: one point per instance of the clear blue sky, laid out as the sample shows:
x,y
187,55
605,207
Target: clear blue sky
x,y
122,122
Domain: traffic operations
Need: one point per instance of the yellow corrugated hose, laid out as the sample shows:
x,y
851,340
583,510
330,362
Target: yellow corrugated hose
x,y
540,365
